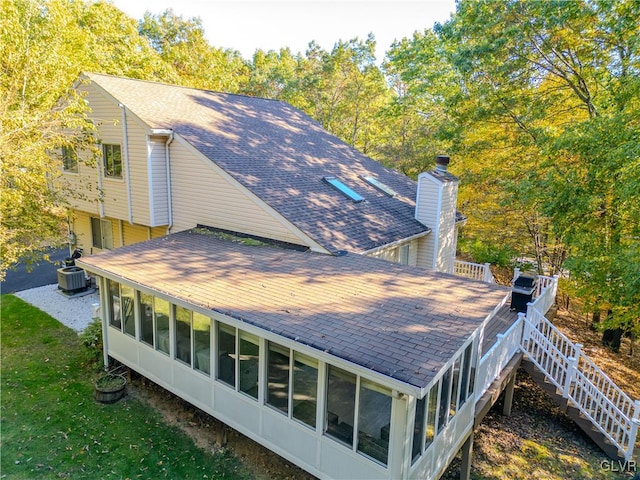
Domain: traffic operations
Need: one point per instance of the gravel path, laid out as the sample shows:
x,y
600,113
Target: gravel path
x,y
75,313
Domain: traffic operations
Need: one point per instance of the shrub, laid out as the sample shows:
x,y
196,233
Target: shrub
x,y
91,337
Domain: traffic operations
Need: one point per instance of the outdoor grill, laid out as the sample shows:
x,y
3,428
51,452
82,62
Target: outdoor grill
x,y
522,292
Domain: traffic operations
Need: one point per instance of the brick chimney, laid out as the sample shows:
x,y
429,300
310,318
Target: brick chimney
x,y
436,200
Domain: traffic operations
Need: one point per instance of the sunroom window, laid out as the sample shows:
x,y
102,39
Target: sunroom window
x,y
278,373
201,342
374,420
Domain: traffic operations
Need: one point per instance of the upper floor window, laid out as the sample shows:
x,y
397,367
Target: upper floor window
x,y
69,160
112,160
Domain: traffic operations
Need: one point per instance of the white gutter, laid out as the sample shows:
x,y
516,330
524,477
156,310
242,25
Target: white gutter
x,y
126,159
397,242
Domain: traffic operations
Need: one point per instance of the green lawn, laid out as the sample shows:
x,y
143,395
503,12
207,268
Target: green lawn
x,y
52,427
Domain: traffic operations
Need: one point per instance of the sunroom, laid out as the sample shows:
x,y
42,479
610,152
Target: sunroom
x,y
348,366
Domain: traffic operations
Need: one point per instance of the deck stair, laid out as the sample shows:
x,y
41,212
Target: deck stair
x,y
588,396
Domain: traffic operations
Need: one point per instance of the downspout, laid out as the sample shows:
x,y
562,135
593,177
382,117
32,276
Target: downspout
x,y
103,317
167,157
126,160
100,187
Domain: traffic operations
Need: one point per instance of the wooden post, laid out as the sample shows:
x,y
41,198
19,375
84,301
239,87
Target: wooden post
x,y
467,454
508,395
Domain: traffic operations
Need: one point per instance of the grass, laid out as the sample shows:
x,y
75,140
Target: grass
x,y
52,427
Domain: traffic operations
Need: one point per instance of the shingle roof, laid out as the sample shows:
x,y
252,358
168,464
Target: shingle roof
x,y
403,322
281,155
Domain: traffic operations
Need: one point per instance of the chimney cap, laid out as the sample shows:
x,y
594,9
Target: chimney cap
x,y
442,162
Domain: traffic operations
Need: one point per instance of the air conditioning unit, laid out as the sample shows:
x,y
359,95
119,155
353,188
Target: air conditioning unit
x,y
71,279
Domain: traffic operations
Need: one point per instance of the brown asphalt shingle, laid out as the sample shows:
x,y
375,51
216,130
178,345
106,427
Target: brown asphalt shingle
x,y
281,155
403,322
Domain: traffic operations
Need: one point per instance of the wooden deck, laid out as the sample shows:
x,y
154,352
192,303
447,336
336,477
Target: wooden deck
x,y
498,324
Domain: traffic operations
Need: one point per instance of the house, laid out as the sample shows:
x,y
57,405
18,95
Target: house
x,y
175,157
300,292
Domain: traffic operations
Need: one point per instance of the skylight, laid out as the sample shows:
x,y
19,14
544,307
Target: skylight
x,y
373,181
342,188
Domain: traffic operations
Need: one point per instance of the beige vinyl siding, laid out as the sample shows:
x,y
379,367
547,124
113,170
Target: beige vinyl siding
x,y
85,185
202,196
123,233
157,188
437,250
138,170
82,187
135,233
81,227
140,233
447,230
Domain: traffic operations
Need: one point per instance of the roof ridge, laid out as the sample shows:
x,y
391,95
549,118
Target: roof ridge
x,y
174,85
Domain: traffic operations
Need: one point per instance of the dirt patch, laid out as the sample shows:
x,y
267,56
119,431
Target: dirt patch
x,y
209,433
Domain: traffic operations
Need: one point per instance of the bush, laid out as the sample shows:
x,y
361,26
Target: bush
x,y
91,337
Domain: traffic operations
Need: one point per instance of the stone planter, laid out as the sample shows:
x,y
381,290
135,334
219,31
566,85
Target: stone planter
x,y
109,388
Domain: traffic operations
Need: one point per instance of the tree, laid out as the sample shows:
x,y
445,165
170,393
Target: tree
x,y
44,45
183,45
543,98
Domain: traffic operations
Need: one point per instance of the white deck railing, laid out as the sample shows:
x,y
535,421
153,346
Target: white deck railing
x,y
474,271
579,380
590,390
498,356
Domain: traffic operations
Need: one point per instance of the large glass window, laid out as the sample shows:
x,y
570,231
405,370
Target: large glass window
x,y
432,409
112,160
305,388
453,405
249,357
227,354
183,334
146,318
472,374
278,377
418,428
374,420
466,368
161,317
101,233
341,401
127,295
115,319
445,390
202,342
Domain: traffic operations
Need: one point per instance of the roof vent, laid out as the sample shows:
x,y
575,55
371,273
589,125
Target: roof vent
x,y
442,162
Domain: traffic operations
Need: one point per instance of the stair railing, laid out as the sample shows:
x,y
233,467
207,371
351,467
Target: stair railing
x,y
580,380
